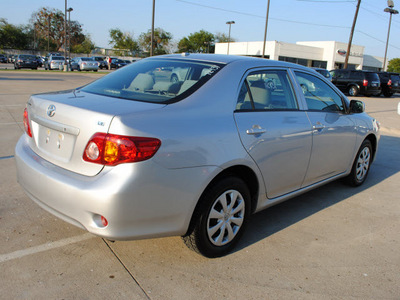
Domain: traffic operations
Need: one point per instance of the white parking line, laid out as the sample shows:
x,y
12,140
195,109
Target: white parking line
x,y
45,247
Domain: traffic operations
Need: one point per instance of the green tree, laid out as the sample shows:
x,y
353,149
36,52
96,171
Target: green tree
x,y
120,40
85,47
223,38
201,41
162,40
14,37
48,24
394,65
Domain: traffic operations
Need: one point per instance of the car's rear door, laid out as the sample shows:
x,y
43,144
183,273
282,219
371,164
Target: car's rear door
x,y
274,131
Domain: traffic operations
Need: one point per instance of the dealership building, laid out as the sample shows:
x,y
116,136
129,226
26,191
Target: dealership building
x,y
323,54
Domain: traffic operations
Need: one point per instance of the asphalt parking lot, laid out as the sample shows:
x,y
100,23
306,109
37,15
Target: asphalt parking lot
x,y
335,242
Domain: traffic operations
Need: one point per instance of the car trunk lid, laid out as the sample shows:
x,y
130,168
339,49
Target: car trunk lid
x,y
62,124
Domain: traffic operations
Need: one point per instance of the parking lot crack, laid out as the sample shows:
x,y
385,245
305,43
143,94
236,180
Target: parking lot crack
x,y
127,270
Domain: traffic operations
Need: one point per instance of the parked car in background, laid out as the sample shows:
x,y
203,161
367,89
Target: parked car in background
x,y
12,58
390,83
131,156
3,58
324,72
25,61
39,60
101,60
54,62
117,63
356,82
84,64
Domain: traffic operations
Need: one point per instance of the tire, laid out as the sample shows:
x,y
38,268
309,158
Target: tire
x,y
361,165
353,90
220,218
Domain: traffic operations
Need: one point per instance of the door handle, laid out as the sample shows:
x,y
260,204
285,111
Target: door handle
x,y
318,126
256,129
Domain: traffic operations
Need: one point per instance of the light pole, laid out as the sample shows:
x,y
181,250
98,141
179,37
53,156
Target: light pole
x,y
391,11
229,35
65,37
69,31
152,29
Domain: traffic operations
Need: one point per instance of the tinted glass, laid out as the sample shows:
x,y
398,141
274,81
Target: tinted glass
x,y
372,76
266,90
318,94
155,80
394,77
31,57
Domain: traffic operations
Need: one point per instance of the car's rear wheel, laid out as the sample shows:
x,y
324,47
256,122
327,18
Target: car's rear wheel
x,y
361,165
353,91
220,218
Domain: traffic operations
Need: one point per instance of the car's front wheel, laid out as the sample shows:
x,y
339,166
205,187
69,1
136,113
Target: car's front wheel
x,y
361,165
220,219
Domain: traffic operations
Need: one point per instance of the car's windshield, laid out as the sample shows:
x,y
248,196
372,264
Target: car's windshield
x,y
57,58
155,80
87,59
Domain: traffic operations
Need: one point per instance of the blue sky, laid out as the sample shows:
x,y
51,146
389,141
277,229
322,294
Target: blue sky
x,y
289,20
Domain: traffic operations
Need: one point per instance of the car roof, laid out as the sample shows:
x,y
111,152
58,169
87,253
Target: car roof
x,y
252,62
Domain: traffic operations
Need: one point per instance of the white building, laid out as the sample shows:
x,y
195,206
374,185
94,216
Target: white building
x,y
328,55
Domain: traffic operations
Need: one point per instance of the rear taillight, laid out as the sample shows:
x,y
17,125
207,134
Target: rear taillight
x,y
389,82
111,149
365,82
26,123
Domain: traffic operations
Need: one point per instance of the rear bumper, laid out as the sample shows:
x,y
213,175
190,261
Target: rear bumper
x,y
140,200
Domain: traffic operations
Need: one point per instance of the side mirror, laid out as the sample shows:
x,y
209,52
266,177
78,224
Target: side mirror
x,y
357,107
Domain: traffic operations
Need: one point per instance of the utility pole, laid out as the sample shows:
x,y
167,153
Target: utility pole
x,y
351,35
265,33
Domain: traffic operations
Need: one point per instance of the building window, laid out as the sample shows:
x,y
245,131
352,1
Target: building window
x,y
319,64
299,61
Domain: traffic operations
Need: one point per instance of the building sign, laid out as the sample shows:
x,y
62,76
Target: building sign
x,y
343,53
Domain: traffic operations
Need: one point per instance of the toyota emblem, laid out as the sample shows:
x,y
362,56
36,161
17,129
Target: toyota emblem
x,y
51,110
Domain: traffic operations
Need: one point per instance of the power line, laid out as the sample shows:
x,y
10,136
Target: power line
x,y
291,21
262,17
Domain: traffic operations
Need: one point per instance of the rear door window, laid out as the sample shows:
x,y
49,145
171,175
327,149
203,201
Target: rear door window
x,y
267,90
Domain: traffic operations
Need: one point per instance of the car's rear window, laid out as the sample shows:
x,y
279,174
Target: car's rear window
x,y
32,57
57,57
155,80
394,77
372,76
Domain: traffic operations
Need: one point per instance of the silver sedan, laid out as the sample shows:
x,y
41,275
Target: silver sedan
x,y
84,64
134,155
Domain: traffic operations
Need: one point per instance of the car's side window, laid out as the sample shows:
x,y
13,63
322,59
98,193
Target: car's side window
x,y
318,94
266,90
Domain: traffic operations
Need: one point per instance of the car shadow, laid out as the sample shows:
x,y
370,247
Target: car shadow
x,y
277,218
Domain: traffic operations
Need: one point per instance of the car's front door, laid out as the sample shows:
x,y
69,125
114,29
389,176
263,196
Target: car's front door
x,y
275,133
334,135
